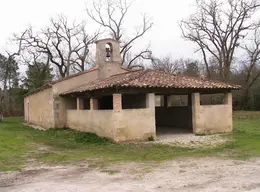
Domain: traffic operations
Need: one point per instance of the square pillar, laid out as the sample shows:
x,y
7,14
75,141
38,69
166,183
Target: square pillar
x,y
228,98
228,102
117,102
93,104
150,101
195,100
80,104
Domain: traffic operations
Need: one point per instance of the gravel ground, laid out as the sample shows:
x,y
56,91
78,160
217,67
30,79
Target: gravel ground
x,y
191,140
185,175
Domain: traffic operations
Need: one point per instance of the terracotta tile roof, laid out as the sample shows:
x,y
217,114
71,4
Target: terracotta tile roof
x,y
151,79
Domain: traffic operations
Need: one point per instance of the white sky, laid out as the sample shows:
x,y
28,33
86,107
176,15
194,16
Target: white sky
x,y
164,37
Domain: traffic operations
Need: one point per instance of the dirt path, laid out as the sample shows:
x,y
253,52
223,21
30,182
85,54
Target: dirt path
x,y
204,174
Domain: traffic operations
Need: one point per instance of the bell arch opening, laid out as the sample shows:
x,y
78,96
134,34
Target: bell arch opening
x,y
109,51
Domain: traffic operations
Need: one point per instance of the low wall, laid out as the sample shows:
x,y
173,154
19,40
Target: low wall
x,y
134,124
124,125
214,119
178,117
99,122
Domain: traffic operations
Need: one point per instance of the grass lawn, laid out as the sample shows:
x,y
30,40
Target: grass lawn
x,y
21,145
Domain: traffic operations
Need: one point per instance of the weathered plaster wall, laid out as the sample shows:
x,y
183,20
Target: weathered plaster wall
x,y
212,118
176,117
122,125
134,124
99,122
109,69
26,109
74,82
39,108
60,103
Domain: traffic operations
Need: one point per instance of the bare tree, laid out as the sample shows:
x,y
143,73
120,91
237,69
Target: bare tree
x,y
251,66
67,46
217,28
167,64
185,66
111,14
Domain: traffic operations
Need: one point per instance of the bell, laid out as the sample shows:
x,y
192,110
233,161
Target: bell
x,y
108,52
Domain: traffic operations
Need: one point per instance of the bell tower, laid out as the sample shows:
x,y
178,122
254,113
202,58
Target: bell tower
x,y
108,57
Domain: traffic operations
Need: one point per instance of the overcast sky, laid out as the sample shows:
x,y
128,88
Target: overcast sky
x,y
164,37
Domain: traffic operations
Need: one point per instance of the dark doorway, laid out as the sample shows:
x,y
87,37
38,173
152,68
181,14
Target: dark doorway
x,y
173,115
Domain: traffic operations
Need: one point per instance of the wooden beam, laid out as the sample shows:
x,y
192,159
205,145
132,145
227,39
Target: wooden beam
x,y
157,91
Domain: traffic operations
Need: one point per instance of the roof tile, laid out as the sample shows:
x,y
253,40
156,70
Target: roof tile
x,y
151,79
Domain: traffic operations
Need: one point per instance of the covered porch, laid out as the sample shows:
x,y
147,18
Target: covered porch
x,y
136,114
194,113
123,107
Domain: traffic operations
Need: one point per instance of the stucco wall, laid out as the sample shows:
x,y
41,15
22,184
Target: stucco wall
x,y
99,122
214,119
74,82
39,108
134,124
124,125
60,103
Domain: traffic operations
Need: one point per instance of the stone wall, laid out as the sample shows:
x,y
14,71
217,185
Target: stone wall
x,y
38,108
125,125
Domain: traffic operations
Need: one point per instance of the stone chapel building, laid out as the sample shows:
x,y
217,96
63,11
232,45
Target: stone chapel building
x,y
120,104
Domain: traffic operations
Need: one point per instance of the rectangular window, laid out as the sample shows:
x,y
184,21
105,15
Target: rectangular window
x,y
71,103
159,100
105,103
133,101
178,100
212,99
86,103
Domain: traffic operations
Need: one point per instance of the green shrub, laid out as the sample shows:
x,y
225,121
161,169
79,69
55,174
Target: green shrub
x,y
151,138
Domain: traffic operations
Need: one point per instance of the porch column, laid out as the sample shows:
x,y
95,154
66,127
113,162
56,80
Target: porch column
x,y
117,102
80,104
150,104
93,104
228,98
150,101
195,97
228,102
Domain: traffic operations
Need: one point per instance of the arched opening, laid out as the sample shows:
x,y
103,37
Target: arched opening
x,y
109,50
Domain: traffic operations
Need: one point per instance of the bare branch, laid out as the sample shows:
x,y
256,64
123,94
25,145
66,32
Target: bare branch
x,y
110,14
65,45
217,28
